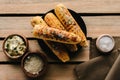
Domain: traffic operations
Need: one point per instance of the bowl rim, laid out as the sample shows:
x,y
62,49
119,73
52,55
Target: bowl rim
x,y
42,56
105,35
24,39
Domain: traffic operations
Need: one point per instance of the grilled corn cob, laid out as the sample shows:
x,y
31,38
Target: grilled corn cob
x,y
38,21
57,48
69,22
52,21
56,35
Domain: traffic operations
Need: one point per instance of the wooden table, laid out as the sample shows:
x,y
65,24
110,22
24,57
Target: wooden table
x,y
99,16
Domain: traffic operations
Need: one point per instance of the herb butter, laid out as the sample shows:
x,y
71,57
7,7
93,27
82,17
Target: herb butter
x,y
15,45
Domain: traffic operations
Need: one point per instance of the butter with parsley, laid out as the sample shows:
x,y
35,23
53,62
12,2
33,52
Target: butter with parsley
x,y
15,45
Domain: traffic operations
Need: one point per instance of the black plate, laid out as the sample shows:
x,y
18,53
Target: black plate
x,y
80,22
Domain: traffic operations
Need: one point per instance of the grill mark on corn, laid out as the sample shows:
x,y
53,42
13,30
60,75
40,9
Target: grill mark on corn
x,y
56,23
62,10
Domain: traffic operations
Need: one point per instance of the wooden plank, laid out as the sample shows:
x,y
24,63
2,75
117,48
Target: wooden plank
x,y
81,6
55,71
11,72
31,1
82,55
96,25
58,72
26,33
18,23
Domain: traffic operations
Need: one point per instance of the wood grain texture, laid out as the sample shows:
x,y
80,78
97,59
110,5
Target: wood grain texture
x,y
81,6
11,72
96,25
54,71
24,9
60,72
18,23
82,55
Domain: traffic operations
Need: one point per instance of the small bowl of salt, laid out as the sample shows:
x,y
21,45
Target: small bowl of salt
x,y
105,43
34,64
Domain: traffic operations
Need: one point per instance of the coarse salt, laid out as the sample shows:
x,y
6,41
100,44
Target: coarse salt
x,y
33,64
105,43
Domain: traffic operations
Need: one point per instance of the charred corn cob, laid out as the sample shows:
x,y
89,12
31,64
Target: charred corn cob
x,y
53,21
57,48
69,22
56,35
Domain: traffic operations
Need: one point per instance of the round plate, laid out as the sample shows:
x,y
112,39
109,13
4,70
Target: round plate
x,y
80,22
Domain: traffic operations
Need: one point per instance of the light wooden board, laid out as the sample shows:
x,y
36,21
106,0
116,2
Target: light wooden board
x,y
38,6
96,25
83,54
11,72
54,71
18,23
